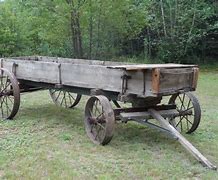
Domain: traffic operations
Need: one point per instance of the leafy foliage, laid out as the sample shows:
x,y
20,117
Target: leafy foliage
x,y
171,30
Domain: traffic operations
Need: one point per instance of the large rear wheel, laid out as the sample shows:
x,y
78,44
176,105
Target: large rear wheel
x,y
9,94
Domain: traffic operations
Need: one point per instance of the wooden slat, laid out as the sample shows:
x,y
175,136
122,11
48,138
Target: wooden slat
x,y
69,60
175,79
156,80
97,77
47,72
147,115
184,142
195,78
149,66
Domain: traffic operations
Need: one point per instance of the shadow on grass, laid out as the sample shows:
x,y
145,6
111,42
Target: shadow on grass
x,y
72,119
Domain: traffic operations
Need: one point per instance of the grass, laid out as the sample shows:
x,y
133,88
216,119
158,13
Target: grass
x,y
48,142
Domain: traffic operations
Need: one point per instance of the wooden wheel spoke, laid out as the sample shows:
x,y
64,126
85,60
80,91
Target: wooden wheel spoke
x,y
97,132
57,96
182,102
99,124
7,107
92,125
180,120
53,91
189,109
65,99
96,108
91,113
69,96
2,110
5,88
72,96
188,120
189,102
100,115
1,83
62,100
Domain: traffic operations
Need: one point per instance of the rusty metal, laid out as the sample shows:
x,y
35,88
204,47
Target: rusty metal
x,y
99,120
187,123
125,79
9,94
64,98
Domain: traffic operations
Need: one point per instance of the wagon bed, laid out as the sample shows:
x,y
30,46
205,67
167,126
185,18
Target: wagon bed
x,y
142,80
142,86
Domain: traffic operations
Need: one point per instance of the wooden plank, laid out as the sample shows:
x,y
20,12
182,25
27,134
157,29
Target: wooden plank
x,y
147,115
69,60
175,79
135,84
195,78
93,77
47,72
184,142
156,80
149,66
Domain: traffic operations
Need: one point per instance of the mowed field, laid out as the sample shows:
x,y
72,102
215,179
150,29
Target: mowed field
x,y
48,142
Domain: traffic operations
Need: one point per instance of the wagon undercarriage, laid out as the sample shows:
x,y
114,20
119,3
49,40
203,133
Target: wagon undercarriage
x,y
142,86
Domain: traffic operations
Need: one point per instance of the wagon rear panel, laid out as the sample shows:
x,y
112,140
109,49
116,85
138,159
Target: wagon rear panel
x,y
46,72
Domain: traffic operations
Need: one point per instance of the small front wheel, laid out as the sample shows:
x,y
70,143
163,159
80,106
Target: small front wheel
x,y
64,98
190,112
99,120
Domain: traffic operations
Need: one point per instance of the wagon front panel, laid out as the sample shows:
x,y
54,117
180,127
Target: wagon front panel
x,y
170,81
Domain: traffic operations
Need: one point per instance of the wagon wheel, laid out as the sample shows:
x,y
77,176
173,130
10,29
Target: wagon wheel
x,y
64,98
184,103
9,94
99,120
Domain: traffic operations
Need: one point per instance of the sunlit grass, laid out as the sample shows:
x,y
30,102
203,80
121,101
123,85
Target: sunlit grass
x,y
48,142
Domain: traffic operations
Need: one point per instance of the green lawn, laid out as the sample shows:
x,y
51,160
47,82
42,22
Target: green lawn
x,y
48,142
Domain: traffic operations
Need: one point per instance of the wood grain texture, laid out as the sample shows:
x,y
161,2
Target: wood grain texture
x,y
184,142
156,80
34,71
195,78
135,67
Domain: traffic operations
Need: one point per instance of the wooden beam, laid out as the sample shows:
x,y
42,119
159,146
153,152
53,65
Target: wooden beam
x,y
184,142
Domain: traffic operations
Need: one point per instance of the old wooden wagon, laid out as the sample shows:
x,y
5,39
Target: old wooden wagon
x,y
141,85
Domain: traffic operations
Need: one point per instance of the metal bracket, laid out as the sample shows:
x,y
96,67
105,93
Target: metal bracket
x,y
14,66
125,79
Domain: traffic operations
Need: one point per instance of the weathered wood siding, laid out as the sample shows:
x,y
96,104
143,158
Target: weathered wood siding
x,y
47,72
87,76
92,74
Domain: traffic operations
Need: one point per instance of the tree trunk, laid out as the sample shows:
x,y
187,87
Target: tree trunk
x,y
163,18
90,30
75,30
98,31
